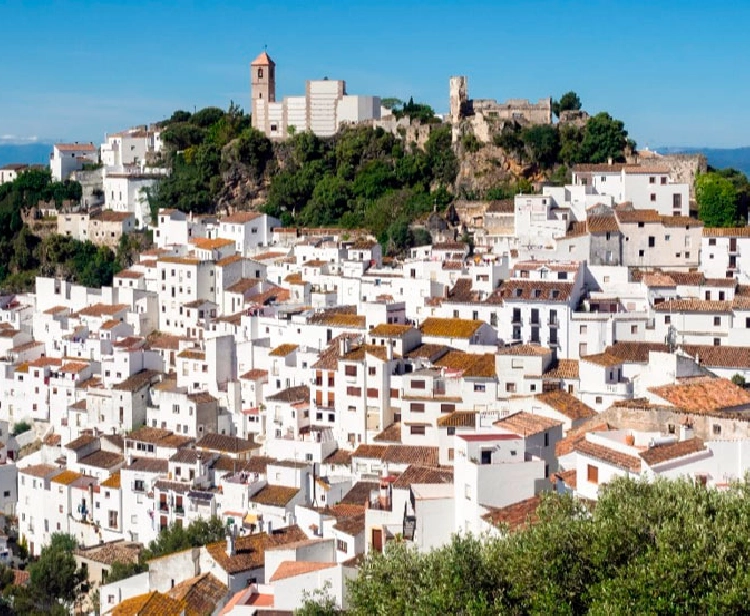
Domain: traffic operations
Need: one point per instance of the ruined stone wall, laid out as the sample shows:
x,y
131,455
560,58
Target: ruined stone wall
x,y
682,167
660,418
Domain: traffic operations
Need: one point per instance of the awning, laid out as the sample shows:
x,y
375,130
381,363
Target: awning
x,y
251,518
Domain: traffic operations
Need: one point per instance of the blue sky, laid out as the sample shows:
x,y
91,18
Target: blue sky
x,y
674,72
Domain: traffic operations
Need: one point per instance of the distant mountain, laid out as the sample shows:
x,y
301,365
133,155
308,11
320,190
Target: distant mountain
x,y
24,153
720,158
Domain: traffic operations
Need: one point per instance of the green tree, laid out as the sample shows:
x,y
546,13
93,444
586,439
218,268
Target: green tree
x,y
21,427
391,102
604,138
121,571
542,144
441,158
55,579
717,200
568,102
175,538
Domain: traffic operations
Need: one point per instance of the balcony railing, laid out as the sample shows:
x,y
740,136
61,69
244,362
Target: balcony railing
x,y
179,510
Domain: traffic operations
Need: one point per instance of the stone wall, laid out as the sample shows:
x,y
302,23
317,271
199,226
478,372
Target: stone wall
x,y
651,419
682,167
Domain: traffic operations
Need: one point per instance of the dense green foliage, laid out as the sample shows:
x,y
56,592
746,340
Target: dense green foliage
x,y
568,102
601,139
742,190
21,427
415,111
24,256
669,547
363,177
717,200
56,583
121,571
195,143
175,538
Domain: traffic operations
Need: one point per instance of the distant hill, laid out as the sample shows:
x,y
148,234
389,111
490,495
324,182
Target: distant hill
x,y
24,153
720,158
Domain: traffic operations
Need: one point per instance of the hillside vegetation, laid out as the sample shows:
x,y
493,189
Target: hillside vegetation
x,y
670,547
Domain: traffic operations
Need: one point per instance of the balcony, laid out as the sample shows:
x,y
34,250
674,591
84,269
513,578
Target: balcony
x,y
179,510
623,388
163,507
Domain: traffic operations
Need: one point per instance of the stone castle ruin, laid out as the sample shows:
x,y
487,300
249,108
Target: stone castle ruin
x,y
486,117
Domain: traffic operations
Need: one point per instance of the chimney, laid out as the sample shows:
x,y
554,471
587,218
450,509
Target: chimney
x,y
686,430
609,160
231,541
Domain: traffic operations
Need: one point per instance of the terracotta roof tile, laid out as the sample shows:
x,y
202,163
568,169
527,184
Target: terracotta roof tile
x,y
658,454
517,516
291,568
530,350
277,496
540,290
526,424
200,595
389,331
567,404
450,328
608,455
416,474
458,419
693,305
602,359
411,454
391,434
563,369
726,231
469,364
360,493
703,394
283,350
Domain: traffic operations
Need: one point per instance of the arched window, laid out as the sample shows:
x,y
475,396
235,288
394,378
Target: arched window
x,y
260,94
260,73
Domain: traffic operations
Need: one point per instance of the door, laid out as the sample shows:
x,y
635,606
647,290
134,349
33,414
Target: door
x,y
377,539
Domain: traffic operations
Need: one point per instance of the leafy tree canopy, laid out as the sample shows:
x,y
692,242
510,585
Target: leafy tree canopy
x,y
717,200
669,547
568,102
176,538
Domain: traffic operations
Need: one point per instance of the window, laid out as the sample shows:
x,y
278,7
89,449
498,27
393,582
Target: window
x,y
652,180
479,387
667,238
663,181
582,329
717,429
447,408
260,73
417,407
653,196
350,370
372,392
651,241
371,370
717,321
510,388
417,430
717,342
667,320
451,454
418,384
598,399
341,545
677,203
592,474
633,329
712,242
641,253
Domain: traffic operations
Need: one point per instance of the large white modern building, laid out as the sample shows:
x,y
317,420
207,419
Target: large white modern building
x,y
323,108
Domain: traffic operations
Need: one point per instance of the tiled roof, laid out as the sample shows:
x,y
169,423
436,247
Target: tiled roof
x,y
225,443
541,290
635,216
291,395
693,305
102,459
241,217
66,477
205,243
502,206
358,353
411,454
391,434
101,310
360,493
292,568
682,278
659,279
531,350
81,441
415,474
576,435
608,455
576,228
602,359
601,167
254,374
703,394
200,595
243,285
516,516
389,331
153,603
250,550
283,350
113,481
147,434
637,352
38,470
470,364
726,231
201,397
354,321
339,458
563,369
658,454
680,221
567,404
278,496
351,525
149,465
602,224
114,551
430,352
137,381
370,451
450,328
526,424
458,419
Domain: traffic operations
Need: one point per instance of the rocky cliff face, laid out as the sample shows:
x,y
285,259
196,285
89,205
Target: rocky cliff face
x,y
489,167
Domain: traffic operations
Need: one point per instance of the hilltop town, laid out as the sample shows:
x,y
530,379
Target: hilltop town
x,y
317,392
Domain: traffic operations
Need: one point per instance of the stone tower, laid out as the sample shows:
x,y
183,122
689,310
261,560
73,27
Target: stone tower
x,y
459,96
262,89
